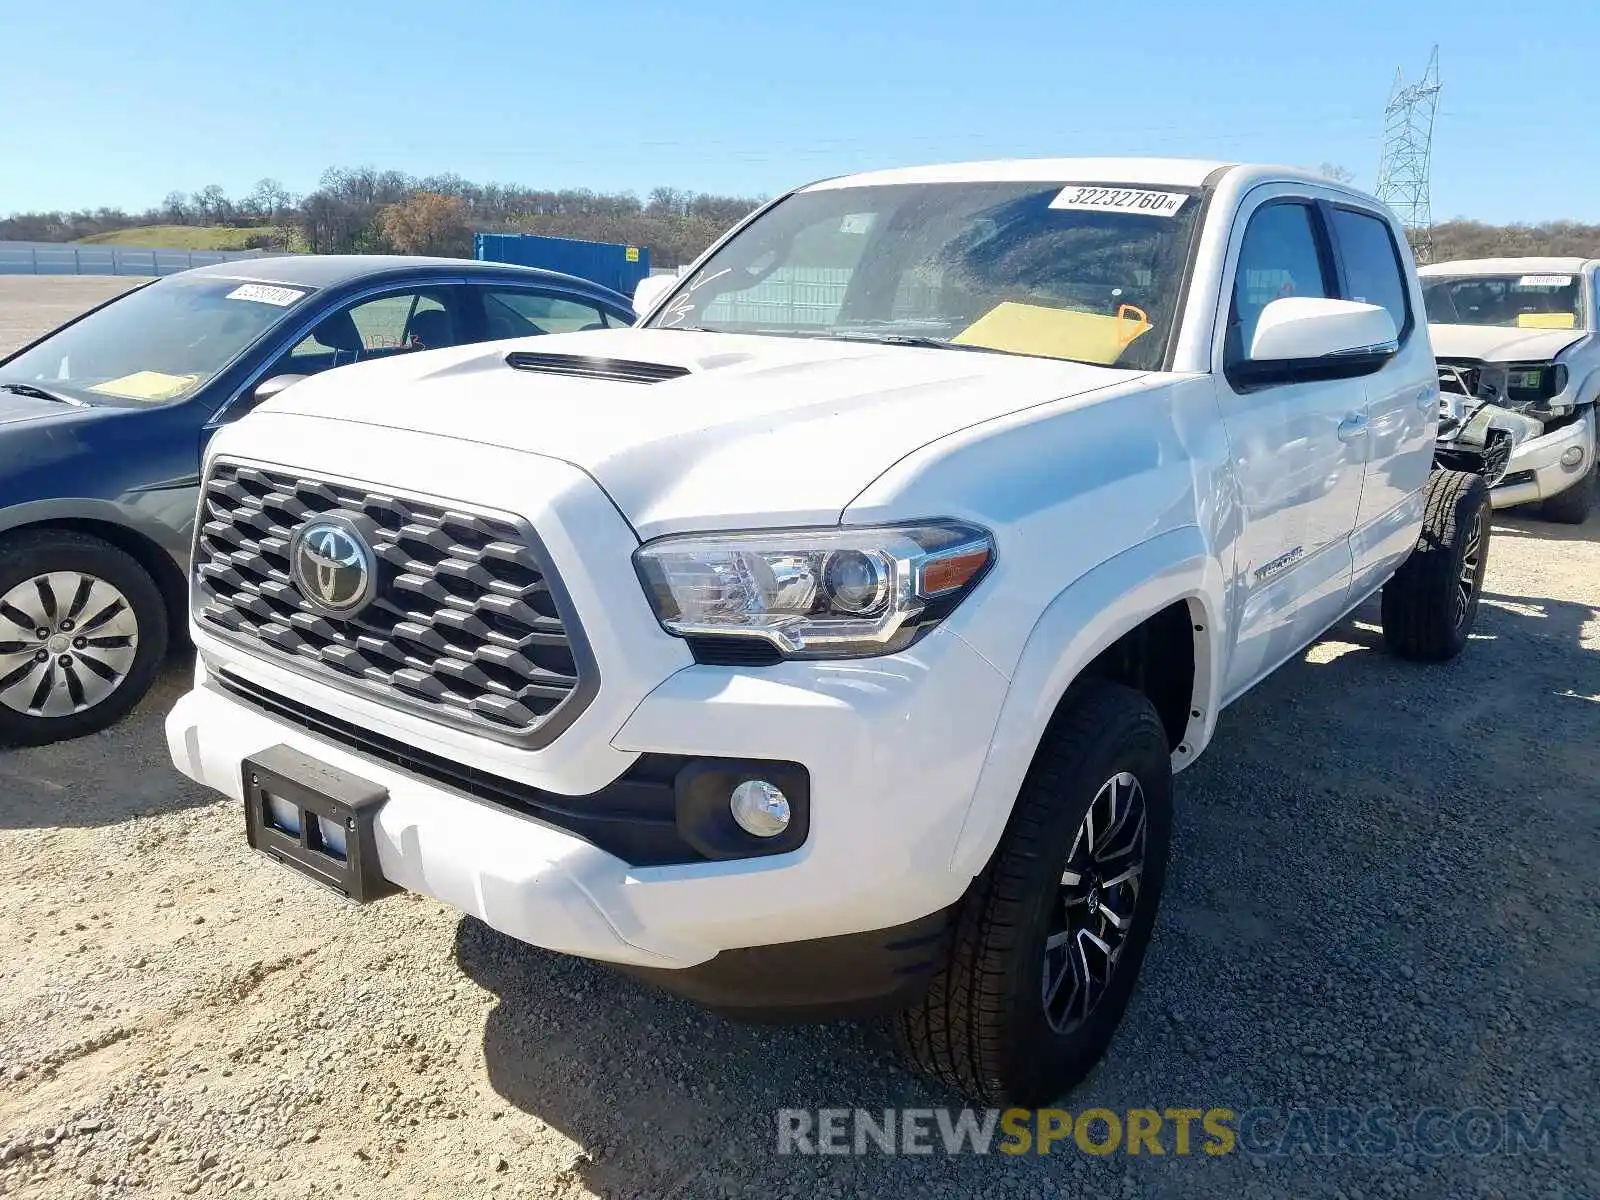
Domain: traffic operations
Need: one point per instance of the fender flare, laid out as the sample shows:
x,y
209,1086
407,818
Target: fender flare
x,y
1089,615
104,512
157,546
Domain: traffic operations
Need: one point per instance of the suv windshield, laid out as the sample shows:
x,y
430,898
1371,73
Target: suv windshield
x,y
159,344
1515,301
1085,272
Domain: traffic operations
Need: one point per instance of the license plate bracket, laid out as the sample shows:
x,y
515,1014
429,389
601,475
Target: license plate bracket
x,y
316,819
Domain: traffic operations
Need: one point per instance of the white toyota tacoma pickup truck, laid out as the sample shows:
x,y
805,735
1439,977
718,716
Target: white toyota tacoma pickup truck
x,y
829,640
1521,337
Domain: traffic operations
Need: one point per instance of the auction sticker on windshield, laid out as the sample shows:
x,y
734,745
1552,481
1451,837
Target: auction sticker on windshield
x,y
1079,197
263,293
154,386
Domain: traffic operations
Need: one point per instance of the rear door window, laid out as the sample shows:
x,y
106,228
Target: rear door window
x,y
515,313
1372,270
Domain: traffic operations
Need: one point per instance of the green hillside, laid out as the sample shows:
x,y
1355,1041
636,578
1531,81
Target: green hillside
x,y
178,237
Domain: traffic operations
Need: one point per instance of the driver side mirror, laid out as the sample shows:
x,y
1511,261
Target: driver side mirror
x,y
271,386
1301,339
650,289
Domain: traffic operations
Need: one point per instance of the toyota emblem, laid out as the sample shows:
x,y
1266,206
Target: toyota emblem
x,y
333,565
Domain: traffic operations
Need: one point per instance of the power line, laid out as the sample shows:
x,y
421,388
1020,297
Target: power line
x,y
1405,168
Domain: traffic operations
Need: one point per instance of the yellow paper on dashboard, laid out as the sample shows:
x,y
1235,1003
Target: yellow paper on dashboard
x,y
1547,320
1056,332
147,385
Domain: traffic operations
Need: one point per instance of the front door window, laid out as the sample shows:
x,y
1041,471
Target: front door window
x,y
379,327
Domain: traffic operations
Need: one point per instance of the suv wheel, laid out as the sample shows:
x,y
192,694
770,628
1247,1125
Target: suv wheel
x,y
1572,506
1049,939
83,630
1430,603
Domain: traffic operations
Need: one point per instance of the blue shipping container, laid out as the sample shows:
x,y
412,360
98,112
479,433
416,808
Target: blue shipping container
x,y
619,268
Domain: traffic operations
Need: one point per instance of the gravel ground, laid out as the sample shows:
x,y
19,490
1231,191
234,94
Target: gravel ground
x,y
34,304
1385,892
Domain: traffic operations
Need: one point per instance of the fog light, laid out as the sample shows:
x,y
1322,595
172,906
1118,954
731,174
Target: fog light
x,y
1572,456
759,808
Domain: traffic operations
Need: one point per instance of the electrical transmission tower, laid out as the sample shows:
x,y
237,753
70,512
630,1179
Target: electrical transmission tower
x,y
1408,154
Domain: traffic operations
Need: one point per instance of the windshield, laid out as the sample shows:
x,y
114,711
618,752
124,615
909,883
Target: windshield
x,y
1513,301
157,345
1089,273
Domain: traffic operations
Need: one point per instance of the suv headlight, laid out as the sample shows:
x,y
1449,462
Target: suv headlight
x,y
815,593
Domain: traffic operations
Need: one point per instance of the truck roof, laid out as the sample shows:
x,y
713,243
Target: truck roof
x,y
1544,265
1172,172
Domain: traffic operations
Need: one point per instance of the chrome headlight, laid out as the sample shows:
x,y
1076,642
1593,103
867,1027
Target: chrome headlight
x,y
815,593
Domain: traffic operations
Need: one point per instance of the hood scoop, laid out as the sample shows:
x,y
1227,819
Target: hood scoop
x,y
584,366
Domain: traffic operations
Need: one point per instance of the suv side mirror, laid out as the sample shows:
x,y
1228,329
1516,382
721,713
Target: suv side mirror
x,y
1303,338
271,386
650,289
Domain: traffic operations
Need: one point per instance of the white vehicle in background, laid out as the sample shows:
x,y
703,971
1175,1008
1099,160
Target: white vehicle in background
x,y
1523,335
829,640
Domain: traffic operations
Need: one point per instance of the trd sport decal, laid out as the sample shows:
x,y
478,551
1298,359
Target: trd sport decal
x,y
1268,570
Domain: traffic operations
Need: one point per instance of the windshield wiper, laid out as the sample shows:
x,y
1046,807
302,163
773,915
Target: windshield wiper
x,y
914,339
38,393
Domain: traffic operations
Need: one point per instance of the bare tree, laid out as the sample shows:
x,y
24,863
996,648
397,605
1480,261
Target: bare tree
x,y
1337,173
329,225
212,206
175,209
269,199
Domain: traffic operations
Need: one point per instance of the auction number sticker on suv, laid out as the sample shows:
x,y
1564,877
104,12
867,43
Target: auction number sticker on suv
x,y
1079,197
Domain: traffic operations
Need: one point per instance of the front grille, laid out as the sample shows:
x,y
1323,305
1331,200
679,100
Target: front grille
x,y
466,623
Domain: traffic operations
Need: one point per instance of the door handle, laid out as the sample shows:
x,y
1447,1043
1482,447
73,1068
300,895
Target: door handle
x,y
1352,427
1427,400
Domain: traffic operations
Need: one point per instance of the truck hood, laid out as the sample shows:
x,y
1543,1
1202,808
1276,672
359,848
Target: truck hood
x,y
755,429
1496,343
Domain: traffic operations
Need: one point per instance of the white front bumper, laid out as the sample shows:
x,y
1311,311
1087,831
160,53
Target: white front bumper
x,y
1542,456
522,877
893,746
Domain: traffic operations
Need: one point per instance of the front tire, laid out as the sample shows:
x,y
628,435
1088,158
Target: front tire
x,y
1049,939
1572,506
1432,600
83,630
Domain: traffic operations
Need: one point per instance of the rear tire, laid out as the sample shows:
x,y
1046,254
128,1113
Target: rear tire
x,y
83,630
1572,507
1010,1018
1432,600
